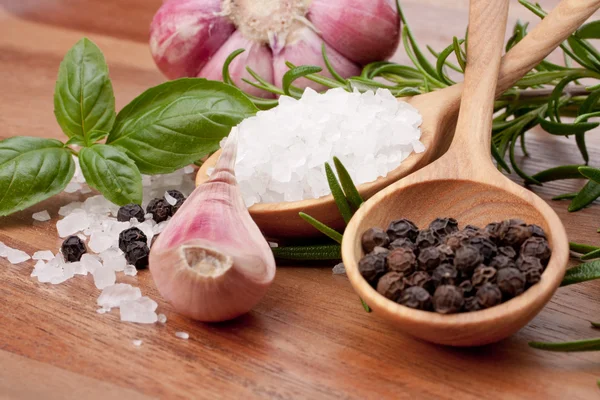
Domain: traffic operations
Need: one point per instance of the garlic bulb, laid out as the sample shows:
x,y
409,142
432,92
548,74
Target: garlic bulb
x,y
194,37
211,262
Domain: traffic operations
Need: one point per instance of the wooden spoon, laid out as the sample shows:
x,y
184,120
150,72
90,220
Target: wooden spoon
x,y
439,110
464,184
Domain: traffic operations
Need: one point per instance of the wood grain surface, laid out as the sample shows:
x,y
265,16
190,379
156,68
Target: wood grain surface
x,y
309,338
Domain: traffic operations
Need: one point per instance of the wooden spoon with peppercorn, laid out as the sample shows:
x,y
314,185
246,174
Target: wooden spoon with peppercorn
x,y
463,184
439,110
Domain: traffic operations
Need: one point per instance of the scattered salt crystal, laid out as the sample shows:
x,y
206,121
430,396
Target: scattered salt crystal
x,y
67,273
76,221
39,266
140,311
162,318
82,237
130,270
148,228
90,262
101,311
16,256
104,277
188,170
69,208
114,259
339,269
3,249
78,268
170,199
182,335
273,244
148,217
137,342
41,216
85,189
46,255
158,228
112,296
101,241
72,187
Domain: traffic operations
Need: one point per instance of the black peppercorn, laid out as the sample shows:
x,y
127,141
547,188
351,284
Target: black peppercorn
x,y
488,296
448,299
536,231
511,282
533,276
500,262
137,254
471,231
381,250
176,194
494,230
445,274
466,259
73,248
402,243
515,235
536,247
507,251
471,304
447,253
420,279
391,285
372,238
443,226
426,238
485,246
160,209
467,288
402,228
455,240
416,297
429,258
531,267
482,275
177,206
402,260
372,267
129,236
129,211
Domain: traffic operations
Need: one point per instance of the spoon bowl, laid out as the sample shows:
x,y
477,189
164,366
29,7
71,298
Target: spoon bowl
x,y
439,110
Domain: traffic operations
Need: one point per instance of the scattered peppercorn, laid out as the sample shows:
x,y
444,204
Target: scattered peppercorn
x,y
372,267
73,248
448,299
129,236
443,226
176,194
402,260
160,209
391,285
129,211
402,228
374,237
137,254
448,270
511,282
416,297
488,296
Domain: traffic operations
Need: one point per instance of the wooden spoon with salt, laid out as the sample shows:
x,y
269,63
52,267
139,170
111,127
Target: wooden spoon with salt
x,y
439,110
463,184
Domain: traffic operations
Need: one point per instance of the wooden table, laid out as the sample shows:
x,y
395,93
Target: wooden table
x,y
309,338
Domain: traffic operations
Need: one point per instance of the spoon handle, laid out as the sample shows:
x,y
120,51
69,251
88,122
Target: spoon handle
x,y
487,26
564,19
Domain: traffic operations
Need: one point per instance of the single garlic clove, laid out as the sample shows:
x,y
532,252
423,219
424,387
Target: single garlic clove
x,y
362,31
304,47
185,34
257,56
211,262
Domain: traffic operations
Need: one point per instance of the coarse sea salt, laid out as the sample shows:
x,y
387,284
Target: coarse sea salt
x,y
141,311
16,256
282,151
41,216
137,342
45,255
182,335
112,296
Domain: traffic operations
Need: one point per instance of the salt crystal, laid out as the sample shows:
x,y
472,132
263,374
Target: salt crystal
x,y
140,311
158,228
90,262
188,170
78,268
39,266
82,236
85,189
101,311
339,269
46,255
170,199
273,244
16,256
137,342
72,187
114,259
112,296
3,249
69,208
130,270
101,241
182,335
74,222
67,273
41,216
104,277
162,318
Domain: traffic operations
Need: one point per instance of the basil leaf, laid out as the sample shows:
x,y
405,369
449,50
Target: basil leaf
x,y
31,170
172,125
112,173
83,98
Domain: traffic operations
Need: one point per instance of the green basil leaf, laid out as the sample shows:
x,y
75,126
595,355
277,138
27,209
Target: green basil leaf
x,y
582,273
112,173
589,193
559,128
83,98
31,170
172,125
591,30
97,135
76,140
